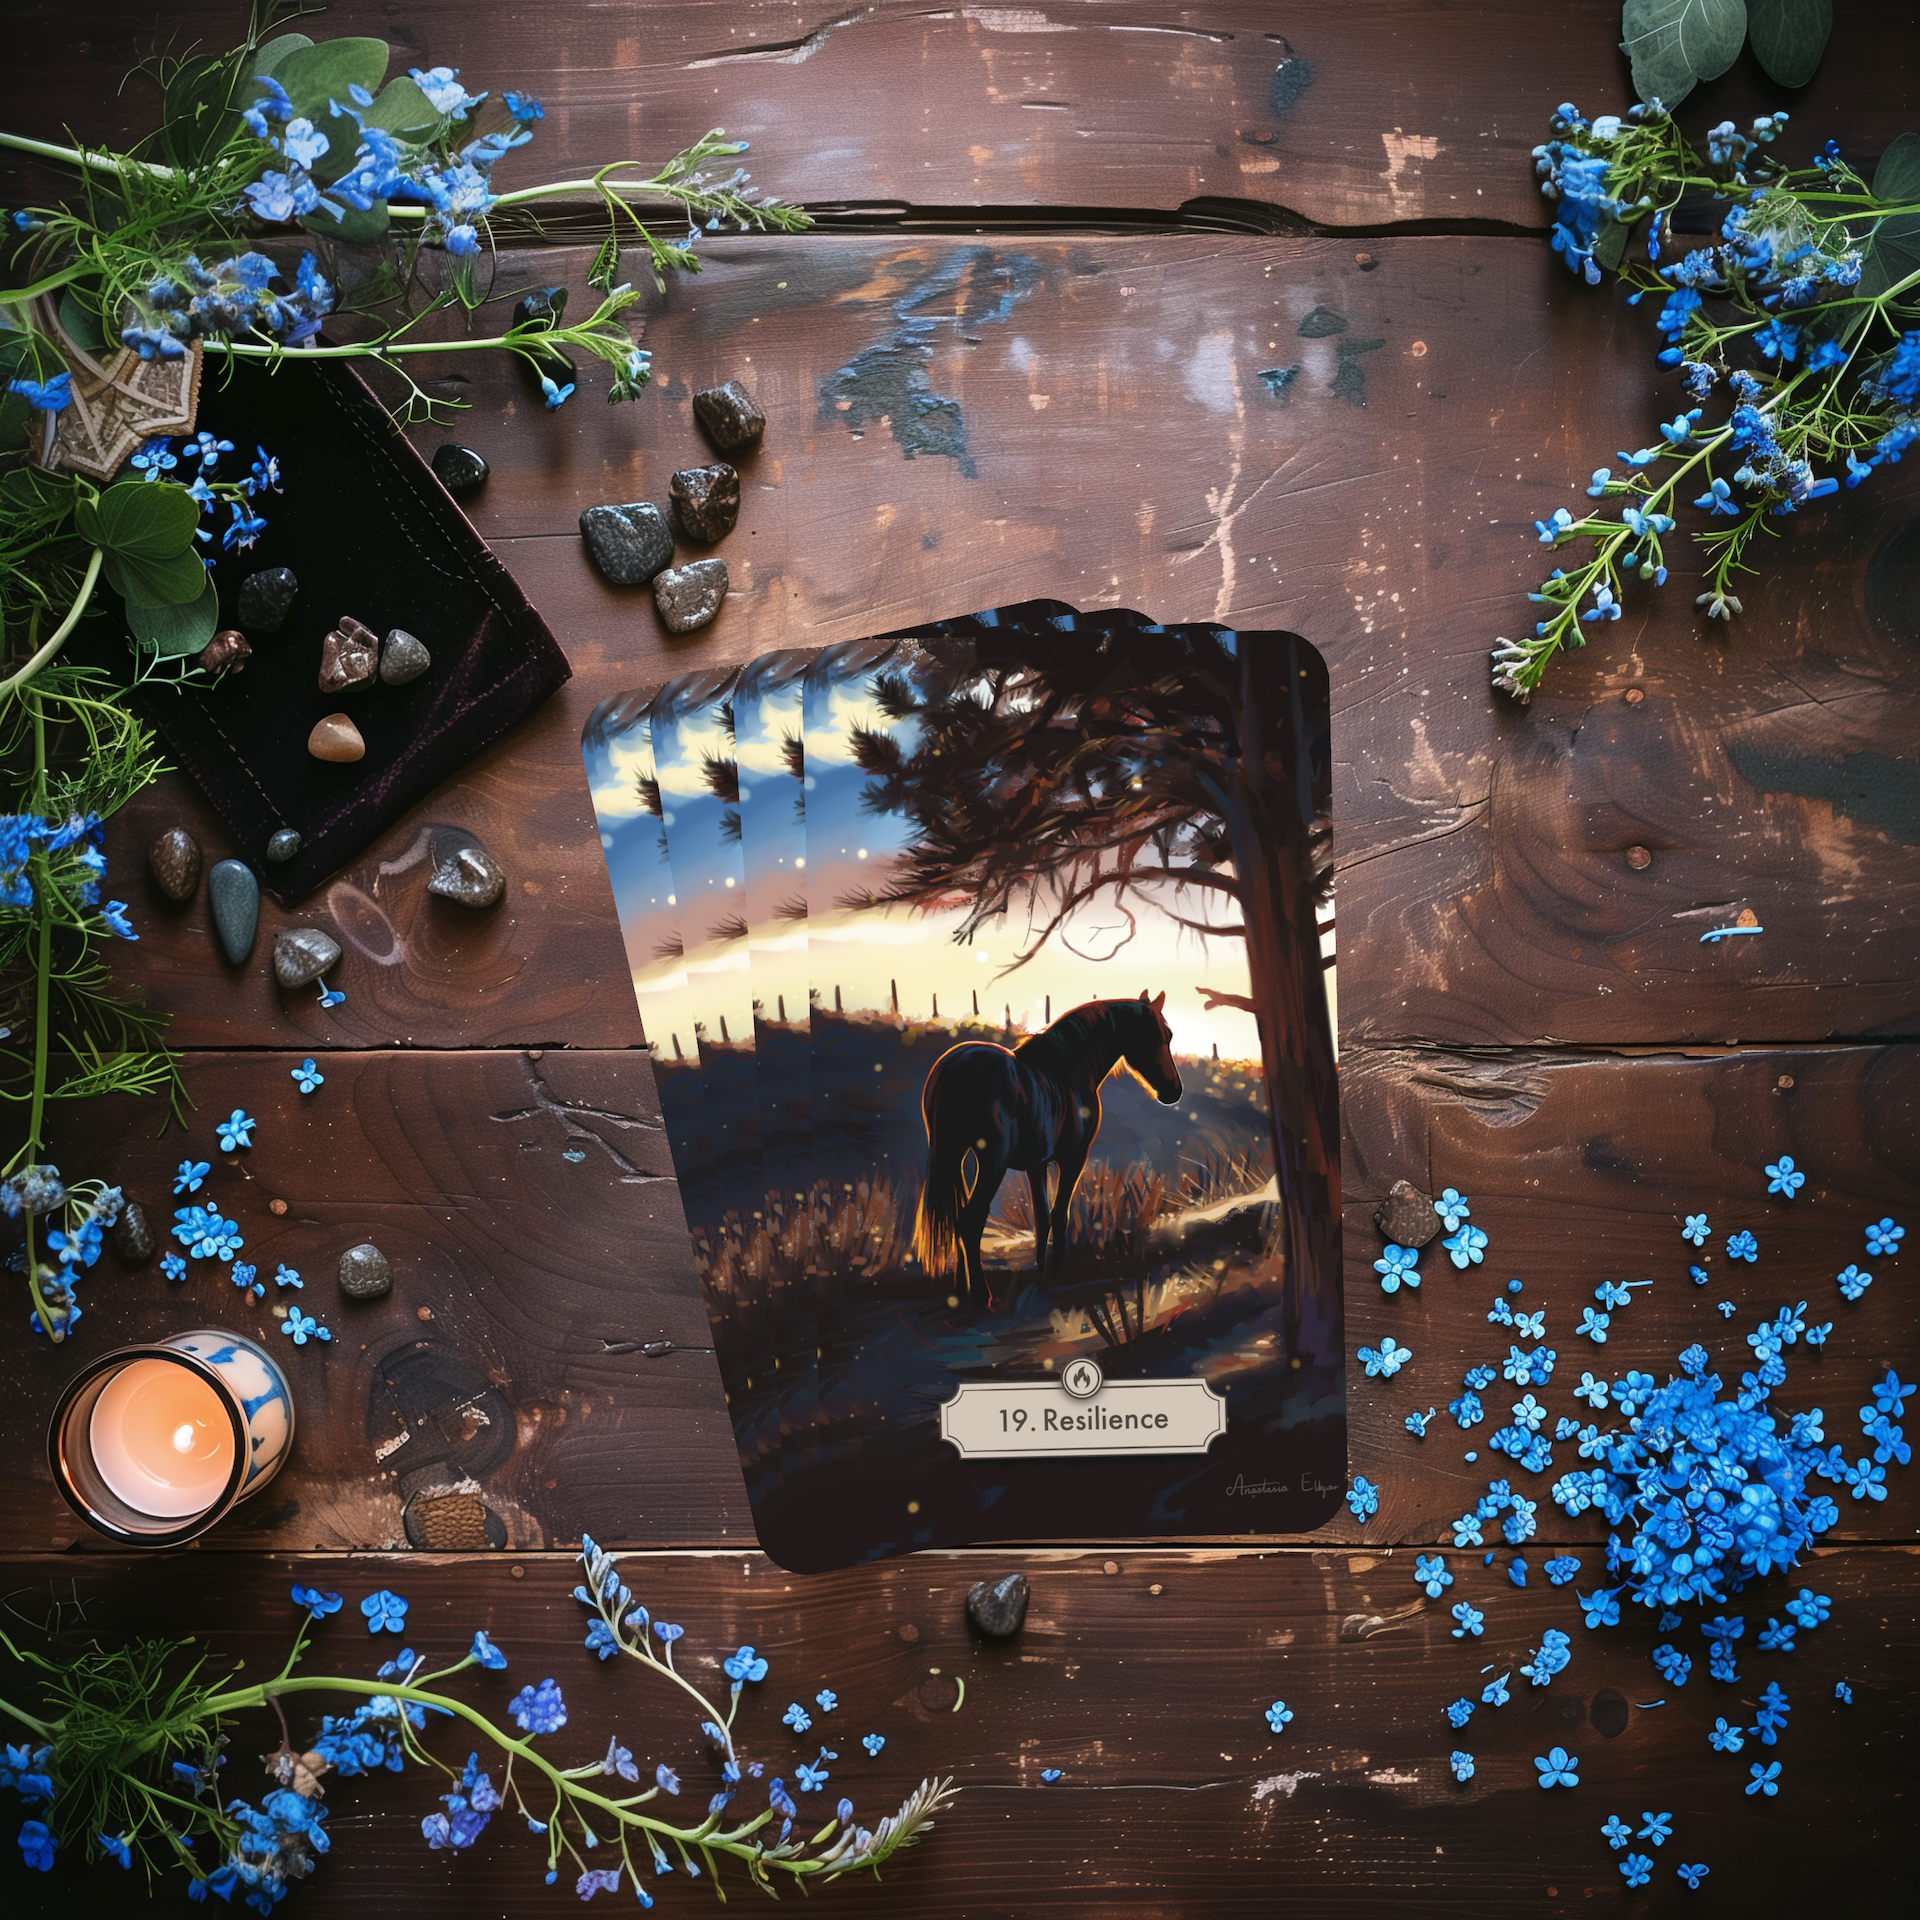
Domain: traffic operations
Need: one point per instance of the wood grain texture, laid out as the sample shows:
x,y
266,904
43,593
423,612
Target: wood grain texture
x,y
1403,111
1143,1677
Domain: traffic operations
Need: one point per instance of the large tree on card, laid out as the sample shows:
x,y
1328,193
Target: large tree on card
x,y
1176,765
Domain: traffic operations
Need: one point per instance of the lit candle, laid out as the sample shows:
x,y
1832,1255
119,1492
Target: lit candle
x,y
162,1439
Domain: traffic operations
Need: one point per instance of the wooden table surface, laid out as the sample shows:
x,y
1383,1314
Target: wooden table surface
x,y
1115,215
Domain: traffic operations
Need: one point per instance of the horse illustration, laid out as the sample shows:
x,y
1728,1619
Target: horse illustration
x,y
1031,1106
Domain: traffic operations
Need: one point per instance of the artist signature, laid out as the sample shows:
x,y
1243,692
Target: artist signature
x,y
1309,1484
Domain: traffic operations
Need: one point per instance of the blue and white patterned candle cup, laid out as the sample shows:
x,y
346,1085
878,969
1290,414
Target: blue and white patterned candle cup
x,y
154,1444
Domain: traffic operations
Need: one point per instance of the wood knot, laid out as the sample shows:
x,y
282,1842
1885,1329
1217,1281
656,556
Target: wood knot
x,y
1634,695
1639,858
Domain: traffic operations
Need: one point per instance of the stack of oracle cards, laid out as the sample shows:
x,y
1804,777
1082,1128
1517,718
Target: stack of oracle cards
x,y
985,971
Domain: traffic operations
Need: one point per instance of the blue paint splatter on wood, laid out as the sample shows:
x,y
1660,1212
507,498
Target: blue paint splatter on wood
x,y
1279,380
888,380
1350,377
1321,322
1291,78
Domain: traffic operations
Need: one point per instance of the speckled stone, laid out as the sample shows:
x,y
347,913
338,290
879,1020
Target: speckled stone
x,y
707,500
731,416
998,1607
689,596
133,1237
302,954
463,870
226,652
459,469
1406,1216
364,1273
265,599
283,846
349,656
336,738
630,543
403,658
233,898
175,861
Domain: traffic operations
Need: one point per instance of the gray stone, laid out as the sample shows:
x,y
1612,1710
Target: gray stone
x,y
265,599
233,898
133,1237
707,500
463,870
731,416
689,596
630,543
459,469
1406,1216
998,1607
403,658
302,954
175,860
283,846
364,1273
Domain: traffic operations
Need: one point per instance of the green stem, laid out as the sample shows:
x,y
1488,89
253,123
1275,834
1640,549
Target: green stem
x,y
43,986
15,681
79,157
43,1728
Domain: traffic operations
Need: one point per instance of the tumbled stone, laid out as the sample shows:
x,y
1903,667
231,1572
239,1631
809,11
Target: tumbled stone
x,y
689,596
459,469
1406,1216
403,658
707,500
233,898
265,599
226,652
336,738
998,1607
463,870
630,543
302,954
364,1272
731,416
133,1237
175,860
283,846
349,656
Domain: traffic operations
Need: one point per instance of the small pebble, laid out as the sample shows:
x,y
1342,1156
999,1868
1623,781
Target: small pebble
x,y
349,656
133,1237
403,658
302,954
998,1607
463,870
175,861
630,543
689,596
265,599
233,898
730,415
283,846
336,738
459,469
276,1206
1406,1216
364,1272
707,499
226,652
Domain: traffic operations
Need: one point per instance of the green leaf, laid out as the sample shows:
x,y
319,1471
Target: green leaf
x,y
172,582
195,107
1673,43
1789,36
270,56
1894,252
403,110
13,421
1610,244
353,226
81,319
316,76
182,628
140,520
1896,179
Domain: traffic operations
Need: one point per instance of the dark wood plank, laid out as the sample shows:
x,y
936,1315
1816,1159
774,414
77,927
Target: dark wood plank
x,y
1143,1676
1489,890
1408,110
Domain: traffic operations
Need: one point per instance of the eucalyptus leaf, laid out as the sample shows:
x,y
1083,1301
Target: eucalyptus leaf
x,y
316,76
140,520
1897,178
1789,36
355,227
270,56
1894,252
1610,243
184,628
403,109
171,582
1673,43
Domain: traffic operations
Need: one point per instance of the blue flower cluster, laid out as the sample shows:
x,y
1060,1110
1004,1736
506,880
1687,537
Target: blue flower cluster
x,y
246,294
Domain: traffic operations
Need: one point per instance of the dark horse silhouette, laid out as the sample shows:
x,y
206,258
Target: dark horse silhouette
x,y
1032,1106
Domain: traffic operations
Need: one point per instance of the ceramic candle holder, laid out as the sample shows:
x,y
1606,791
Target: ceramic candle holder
x,y
152,1445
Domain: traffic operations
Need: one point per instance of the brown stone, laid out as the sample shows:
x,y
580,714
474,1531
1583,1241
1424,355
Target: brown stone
x,y
226,652
1406,1216
349,657
731,416
707,499
175,860
336,738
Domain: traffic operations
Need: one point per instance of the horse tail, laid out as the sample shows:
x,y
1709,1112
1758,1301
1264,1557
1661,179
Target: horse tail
x,y
936,1228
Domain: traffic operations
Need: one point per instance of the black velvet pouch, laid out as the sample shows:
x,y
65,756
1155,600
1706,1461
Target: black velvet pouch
x,y
369,532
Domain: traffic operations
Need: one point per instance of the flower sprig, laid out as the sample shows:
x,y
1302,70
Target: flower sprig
x,y
1796,308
